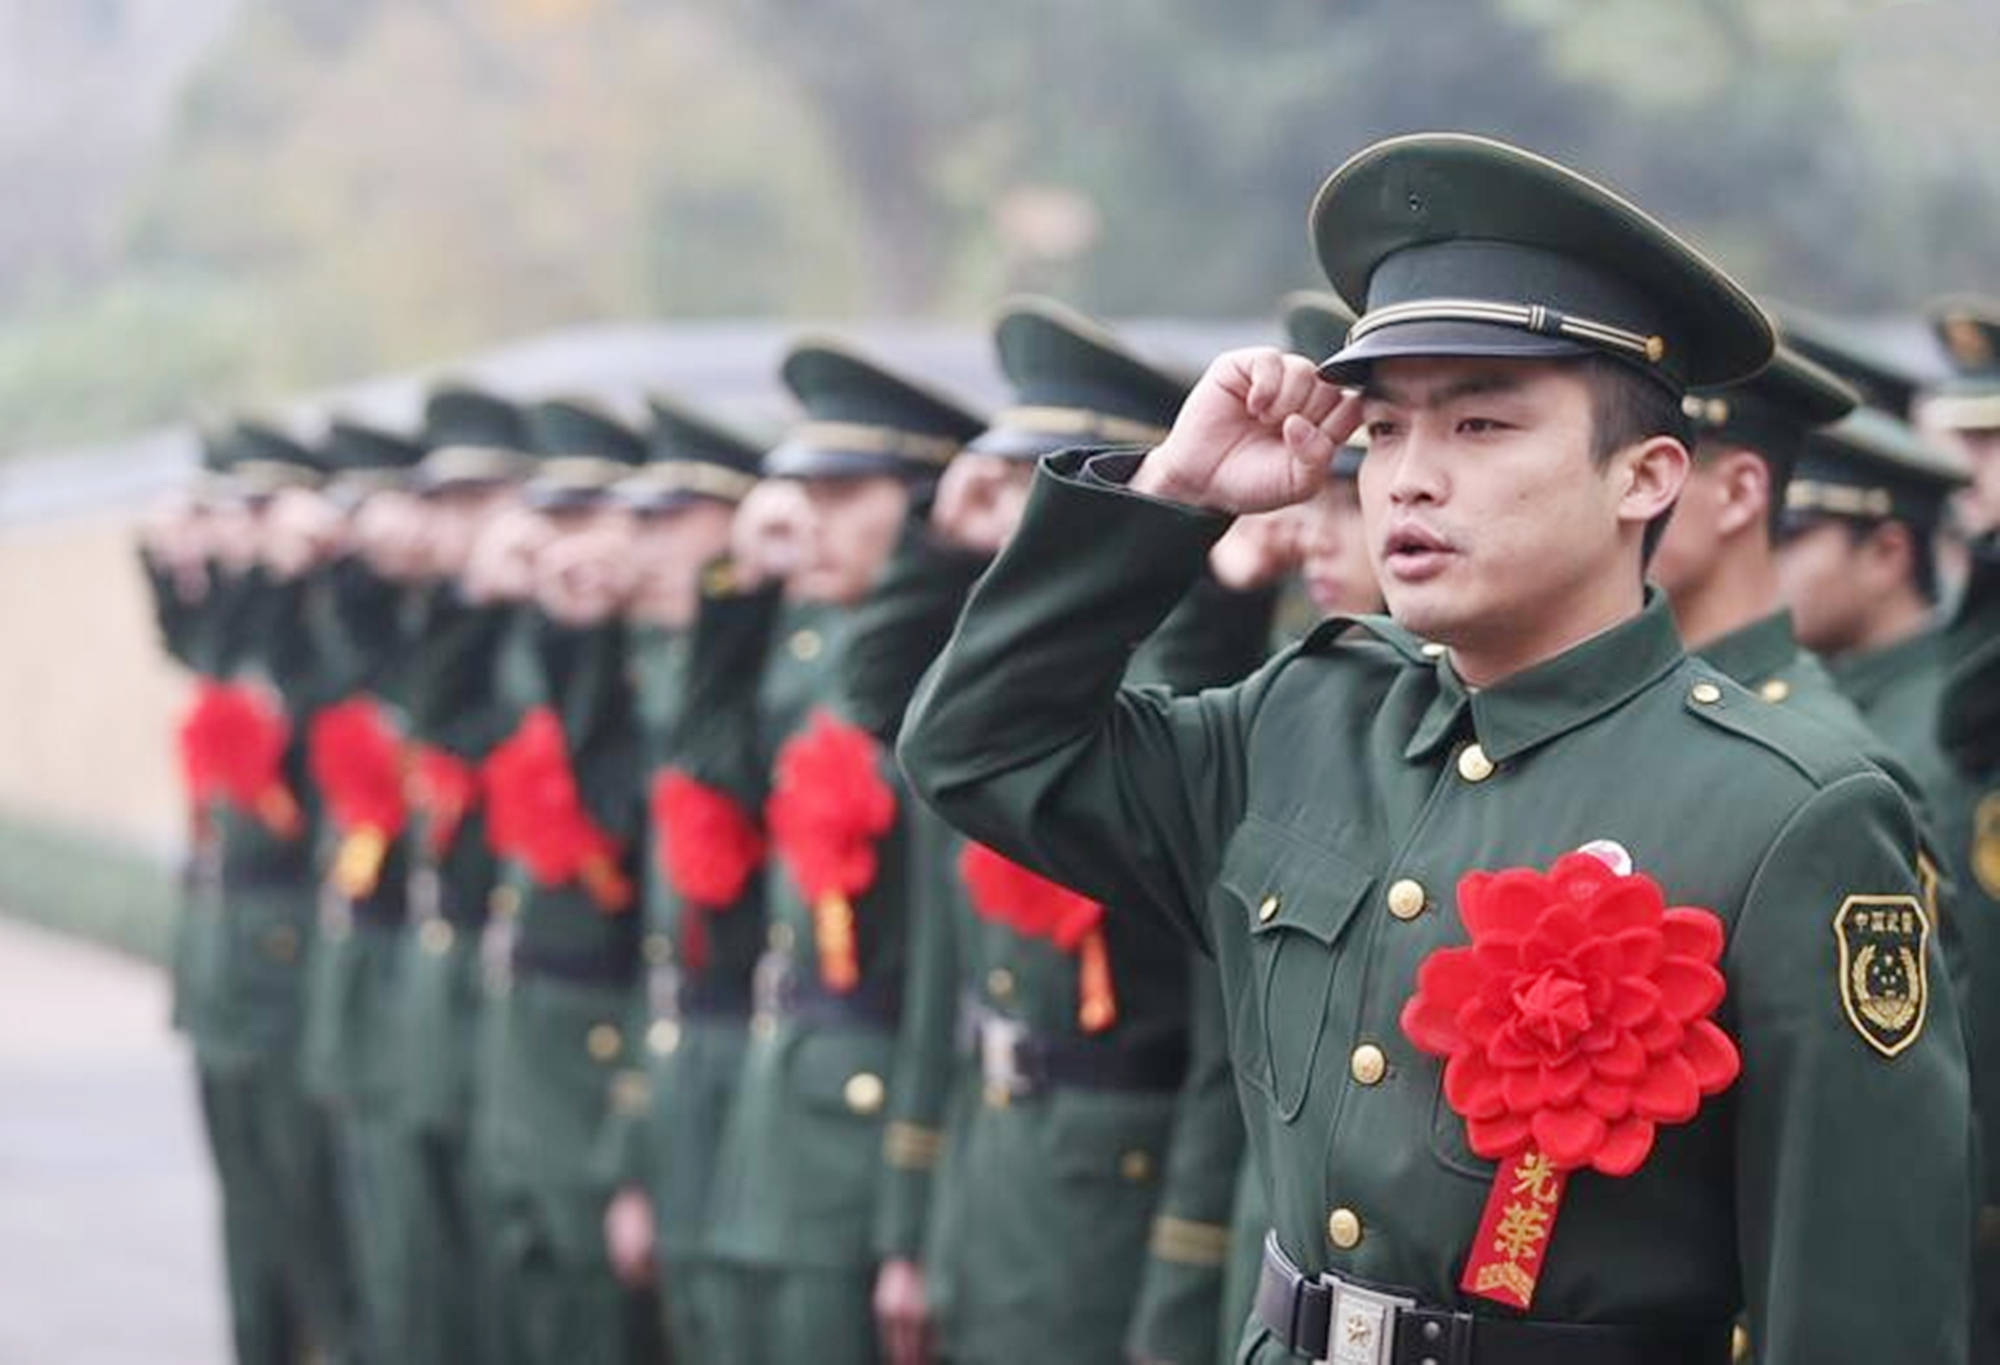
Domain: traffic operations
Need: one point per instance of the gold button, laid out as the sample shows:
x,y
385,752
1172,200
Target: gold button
x,y
1368,1065
1343,1229
1406,898
806,644
1473,764
659,949
1739,1344
282,943
780,937
505,901
864,1092
435,937
663,1037
1432,650
1000,983
1136,1166
1268,911
1775,690
603,1041
1705,693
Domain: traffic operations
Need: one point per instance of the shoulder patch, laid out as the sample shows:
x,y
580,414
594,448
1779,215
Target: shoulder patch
x,y
1805,745
1884,976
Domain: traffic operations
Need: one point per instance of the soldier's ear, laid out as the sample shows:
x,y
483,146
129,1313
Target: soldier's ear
x,y
1653,472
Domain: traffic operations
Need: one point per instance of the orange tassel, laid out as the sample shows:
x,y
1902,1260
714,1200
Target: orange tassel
x,y
1097,1002
610,888
279,811
357,867
833,934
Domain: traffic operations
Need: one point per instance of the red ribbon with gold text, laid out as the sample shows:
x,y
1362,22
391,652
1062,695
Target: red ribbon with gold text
x,y
1577,1021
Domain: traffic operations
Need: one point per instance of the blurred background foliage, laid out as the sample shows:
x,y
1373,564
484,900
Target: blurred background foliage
x,y
218,201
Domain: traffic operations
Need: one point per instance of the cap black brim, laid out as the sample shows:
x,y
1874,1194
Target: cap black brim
x,y
1401,340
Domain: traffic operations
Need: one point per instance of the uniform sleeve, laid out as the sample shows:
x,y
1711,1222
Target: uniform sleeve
x,y
1969,716
920,1083
1180,1290
902,625
718,743
1854,1181
1021,736
175,617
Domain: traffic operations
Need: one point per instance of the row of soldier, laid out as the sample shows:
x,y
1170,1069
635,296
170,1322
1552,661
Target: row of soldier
x,y
572,974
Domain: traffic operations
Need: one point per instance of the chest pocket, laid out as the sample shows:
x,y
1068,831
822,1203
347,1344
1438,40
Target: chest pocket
x,y
1295,899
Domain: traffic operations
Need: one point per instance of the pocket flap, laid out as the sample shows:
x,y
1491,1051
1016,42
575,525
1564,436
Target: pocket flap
x,y
1285,882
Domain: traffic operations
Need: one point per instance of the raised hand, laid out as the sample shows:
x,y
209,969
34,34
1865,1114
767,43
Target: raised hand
x,y
1258,433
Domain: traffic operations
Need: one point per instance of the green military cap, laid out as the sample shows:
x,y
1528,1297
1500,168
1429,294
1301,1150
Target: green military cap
x,y
1464,246
584,451
1968,330
474,437
1872,466
359,459
688,456
265,459
864,419
1773,412
1316,326
1074,384
1854,355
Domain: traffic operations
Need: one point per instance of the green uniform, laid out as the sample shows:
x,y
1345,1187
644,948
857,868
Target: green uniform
x,y
1307,828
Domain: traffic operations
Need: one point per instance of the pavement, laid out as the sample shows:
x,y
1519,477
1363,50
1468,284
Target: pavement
x,y
108,1236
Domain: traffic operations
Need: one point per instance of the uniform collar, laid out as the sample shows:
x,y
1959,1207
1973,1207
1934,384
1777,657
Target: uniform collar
x,y
1557,695
1866,675
1750,654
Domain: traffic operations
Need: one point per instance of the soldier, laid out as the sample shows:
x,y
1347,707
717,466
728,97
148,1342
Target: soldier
x,y
796,1186
477,448
704,873
562,941
357,612
1054,1118
1525,758
1965,411
248,931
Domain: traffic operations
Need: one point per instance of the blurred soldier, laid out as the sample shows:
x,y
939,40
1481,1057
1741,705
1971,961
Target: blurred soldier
x,y
562,943
1056,1110
357,613
477,454
1966,412
795,1188
691,661
248,933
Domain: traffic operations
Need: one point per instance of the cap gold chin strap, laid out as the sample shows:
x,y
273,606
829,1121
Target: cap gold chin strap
x,y
1529,317
1839,499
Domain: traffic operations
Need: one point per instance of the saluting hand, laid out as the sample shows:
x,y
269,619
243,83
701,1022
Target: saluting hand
x,y
768,536
1258,433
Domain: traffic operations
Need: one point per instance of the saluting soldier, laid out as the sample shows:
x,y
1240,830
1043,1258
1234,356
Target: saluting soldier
x,y
249,934
357,612
796,1185
562,943
477,452
703,873
1965,411
1057,1111
1602,1125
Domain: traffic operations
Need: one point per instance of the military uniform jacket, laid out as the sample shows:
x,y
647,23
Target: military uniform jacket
x,y
796,1186
1309,828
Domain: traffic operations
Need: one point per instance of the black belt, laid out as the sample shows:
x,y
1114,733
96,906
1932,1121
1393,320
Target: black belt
x,y
1384,1328
677,994
1024,1063
608,966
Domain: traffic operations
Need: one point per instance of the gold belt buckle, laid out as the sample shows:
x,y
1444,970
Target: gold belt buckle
x,y
1361,1323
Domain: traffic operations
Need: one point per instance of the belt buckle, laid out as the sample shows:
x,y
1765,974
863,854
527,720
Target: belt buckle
x,y
1000,1042
1361,1324
426,894
496,953
663,990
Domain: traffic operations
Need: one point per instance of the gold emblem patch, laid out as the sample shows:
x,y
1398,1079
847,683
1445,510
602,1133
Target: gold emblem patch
x,y
1884,983
1986,844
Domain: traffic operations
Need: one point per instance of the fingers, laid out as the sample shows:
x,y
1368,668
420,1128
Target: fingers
x,y
1266,369
1343,419
1312,454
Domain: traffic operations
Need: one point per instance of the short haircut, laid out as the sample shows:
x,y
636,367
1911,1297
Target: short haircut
x,y
1923,550
1627,407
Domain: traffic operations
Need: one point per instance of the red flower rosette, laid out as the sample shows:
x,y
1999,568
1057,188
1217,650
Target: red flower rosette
x,y
707,847
1003,891
829,806
356,760
536,816
1575,1023
232,748
445,788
